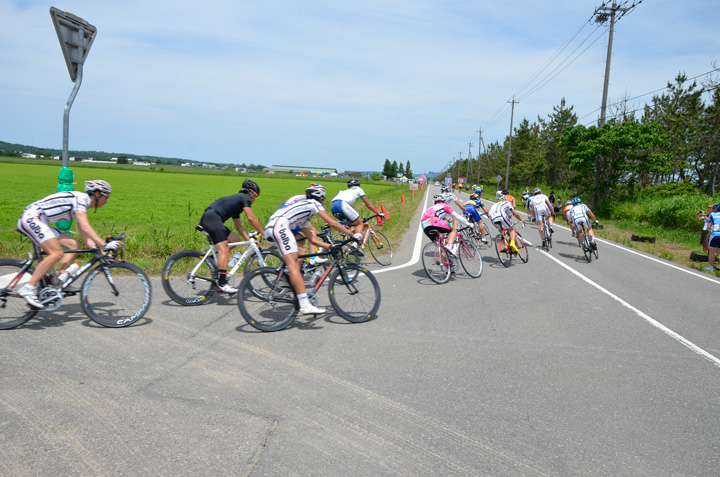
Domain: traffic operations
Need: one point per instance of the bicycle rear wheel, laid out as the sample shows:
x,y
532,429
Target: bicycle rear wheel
x,y
503,250
184,287
14,310
355,295
266,299
436,263
595,251
470,259
380,247
117,299
522,247
586,248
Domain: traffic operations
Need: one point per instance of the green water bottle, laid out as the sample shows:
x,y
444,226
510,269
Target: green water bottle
x,y
66,180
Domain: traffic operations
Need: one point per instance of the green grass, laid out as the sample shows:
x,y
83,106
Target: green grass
x,y
159,209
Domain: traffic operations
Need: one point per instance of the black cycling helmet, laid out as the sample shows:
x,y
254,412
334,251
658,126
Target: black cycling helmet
x,y
716,207
353,183
249,185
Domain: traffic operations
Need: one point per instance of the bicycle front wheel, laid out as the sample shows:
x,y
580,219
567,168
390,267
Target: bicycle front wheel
x,y
595,251
586,248
271,257
436,263
116,295
14,310
185,287
503,250
355,294
266,299
470,259
522,248
380,247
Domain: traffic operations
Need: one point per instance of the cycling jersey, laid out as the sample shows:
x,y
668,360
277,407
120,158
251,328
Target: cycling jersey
x,y
511,199
501,214
437,219
55,207
539,206
350,195
566,211
473,208
231,205
713,221
578,215
282,223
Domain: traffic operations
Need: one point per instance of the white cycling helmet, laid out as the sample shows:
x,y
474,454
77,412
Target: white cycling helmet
x,y
102,186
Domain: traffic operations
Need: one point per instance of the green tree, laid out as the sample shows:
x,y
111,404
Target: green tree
x,y
401,169
408,171
616,155
554,155
122,160
395,169
387,169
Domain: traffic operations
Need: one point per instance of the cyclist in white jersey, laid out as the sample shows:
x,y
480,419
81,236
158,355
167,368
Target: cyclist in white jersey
x,y
501,214
542,207
579,217
61,206
280,231
341,205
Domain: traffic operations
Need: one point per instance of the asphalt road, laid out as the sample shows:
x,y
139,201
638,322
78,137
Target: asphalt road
x,y
554,367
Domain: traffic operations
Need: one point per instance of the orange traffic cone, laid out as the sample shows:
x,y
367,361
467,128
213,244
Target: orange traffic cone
x,y
402,199
387,217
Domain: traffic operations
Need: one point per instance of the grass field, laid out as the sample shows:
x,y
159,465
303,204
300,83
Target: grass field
x,y
159,209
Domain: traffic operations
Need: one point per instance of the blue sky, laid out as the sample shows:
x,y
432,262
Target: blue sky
x,y
331,83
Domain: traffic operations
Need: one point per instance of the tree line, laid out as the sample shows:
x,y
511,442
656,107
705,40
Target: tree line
x,y
674,140
392,170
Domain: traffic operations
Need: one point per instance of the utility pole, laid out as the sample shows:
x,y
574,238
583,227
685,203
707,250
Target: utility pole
x,y
601,17
480,141
469,159
512,114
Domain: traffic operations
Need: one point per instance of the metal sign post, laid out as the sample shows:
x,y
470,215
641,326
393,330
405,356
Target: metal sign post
x,y
76,36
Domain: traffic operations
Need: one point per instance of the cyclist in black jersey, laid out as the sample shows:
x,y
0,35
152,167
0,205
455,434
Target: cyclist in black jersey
x,y
213,221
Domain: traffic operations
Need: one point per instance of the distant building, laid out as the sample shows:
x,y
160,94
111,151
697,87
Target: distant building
x,y
311,171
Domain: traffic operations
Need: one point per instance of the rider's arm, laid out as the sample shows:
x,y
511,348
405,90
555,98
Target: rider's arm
x,y
88,234
253,220
460,218
311,235
460,204
517,214
240,228
368,204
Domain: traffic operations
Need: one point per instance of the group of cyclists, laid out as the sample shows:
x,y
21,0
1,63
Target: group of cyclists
x,y
288,228
442,218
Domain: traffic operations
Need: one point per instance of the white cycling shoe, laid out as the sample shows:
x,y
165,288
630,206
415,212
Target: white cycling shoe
x,y
227,288
30,295
311,309
317,260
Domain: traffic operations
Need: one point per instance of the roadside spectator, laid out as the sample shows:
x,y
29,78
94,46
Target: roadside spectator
x,y
705,233
552,198
714,242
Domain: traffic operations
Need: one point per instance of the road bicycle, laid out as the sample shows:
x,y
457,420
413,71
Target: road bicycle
x,y
189,277
439,264
586,247
547,236
502,246
373,240
473,233
114,293
267,301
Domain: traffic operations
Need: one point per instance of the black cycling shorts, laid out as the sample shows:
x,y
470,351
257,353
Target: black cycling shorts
x,y
214,226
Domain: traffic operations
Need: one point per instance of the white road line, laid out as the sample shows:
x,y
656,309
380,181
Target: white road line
x,y
688,344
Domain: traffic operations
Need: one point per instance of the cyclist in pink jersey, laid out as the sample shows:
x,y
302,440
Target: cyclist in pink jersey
x,y
435,221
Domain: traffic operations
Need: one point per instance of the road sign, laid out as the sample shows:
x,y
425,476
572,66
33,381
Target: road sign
x,y
76,37
498,178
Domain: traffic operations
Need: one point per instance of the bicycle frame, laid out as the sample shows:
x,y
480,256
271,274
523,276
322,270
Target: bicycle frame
x,y
252,248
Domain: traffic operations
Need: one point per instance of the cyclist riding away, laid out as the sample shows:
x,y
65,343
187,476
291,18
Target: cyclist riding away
x,y
61,206
473,208
579,215
501,214
279,230
543,208
213,221
436,220
509,198
299,235
341,206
